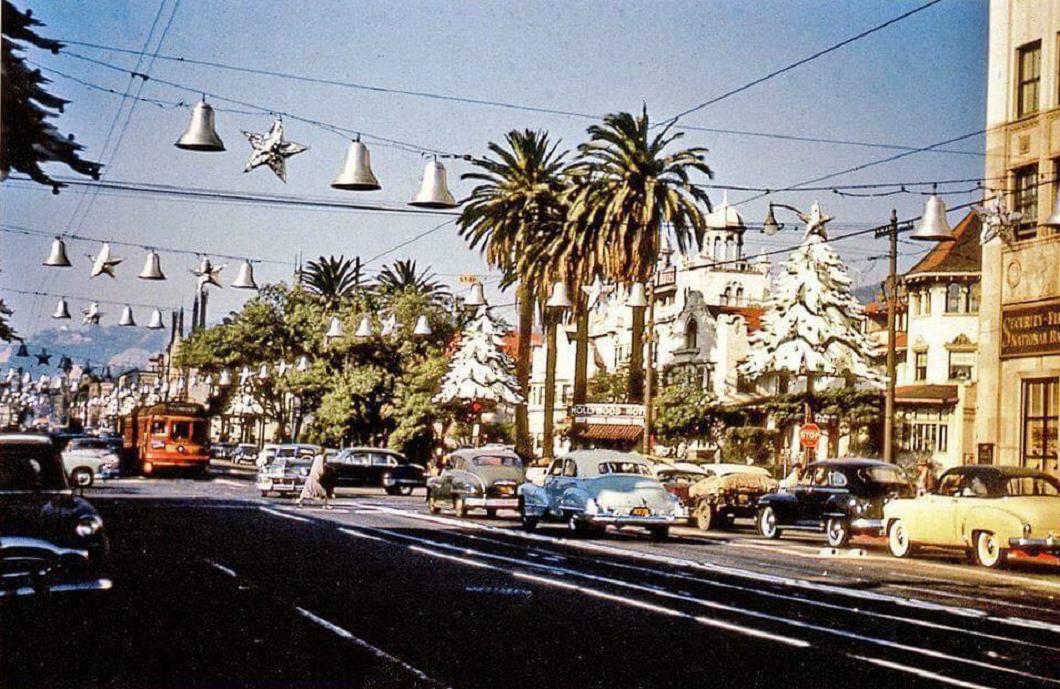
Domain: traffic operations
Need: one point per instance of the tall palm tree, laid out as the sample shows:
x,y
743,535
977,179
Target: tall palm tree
x,y
515,209
625,187
402,275
334,279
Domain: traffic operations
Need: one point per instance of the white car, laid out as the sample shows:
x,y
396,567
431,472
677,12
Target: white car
x,y
86,459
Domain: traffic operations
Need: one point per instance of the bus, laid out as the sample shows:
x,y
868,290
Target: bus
x,y
168,435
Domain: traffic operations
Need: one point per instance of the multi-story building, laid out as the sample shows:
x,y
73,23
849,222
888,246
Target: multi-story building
x,y
705,303
1018,409
935,394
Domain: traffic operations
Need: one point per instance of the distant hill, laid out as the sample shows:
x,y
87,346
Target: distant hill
x,y
867,293
120,347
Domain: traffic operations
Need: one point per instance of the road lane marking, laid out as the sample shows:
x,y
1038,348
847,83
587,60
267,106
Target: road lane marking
x,y
454,558
788,582
374,650
919,672
285,515
230,482
361,534
218,566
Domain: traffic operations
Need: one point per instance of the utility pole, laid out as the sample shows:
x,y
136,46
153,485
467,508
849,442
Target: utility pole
x,y
891,293
649,373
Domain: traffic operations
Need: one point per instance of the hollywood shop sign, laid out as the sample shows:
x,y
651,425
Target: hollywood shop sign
x,y
625,414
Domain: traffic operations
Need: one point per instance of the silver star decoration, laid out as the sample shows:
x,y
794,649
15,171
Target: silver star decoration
x,y
207,273
92,314
998,220
103,263
595,291
282,368
816,220
244,376
272,149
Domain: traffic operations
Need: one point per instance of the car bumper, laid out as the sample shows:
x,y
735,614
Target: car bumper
x,y
867,525
1049,544
630,520
102,584
493,503
279,485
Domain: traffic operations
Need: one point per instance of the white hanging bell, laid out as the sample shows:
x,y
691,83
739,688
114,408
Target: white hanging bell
x,y
933,226
226,378
245,279
434,191
559,299
637,296
61,309
263,372
201,134
58,258
127,317
423,327
356,173
303,364
152,267
156,321
335,330
475,296
364,328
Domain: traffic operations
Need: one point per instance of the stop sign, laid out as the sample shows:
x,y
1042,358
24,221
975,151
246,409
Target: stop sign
x,y
809,434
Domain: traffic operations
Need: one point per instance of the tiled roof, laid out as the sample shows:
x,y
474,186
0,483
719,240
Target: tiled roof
x,y
751,314
963,255
608,431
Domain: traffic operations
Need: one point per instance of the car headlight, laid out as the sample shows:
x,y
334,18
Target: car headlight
x,y
88,526
591,507
303,472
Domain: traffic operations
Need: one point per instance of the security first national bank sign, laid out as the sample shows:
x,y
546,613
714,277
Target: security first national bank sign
x,y
1030,329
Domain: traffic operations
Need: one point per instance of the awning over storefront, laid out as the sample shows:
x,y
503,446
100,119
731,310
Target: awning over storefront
x,y
609,431
926,394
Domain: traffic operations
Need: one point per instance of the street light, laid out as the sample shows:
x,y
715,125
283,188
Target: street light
x,y
770,225
557,303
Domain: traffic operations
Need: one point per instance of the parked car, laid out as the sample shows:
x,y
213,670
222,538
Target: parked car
x,y
591,489
841,497
244,453
222,450
50,539
477,478
265,454
375,466
986,511
727,492
283,475
85,459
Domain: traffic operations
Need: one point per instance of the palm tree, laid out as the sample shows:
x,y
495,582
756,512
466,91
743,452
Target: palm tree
x,y
624,188
515,209
334,279
402,276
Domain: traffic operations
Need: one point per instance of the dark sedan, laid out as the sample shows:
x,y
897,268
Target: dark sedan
x,y
841,497
50,539
375,466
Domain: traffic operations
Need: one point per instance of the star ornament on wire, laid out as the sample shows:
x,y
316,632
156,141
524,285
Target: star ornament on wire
x,y
272,149
207,273
43,358
595,292
103,263
997,220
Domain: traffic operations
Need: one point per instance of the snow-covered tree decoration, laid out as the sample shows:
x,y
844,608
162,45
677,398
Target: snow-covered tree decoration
x,y
812,320
30,140
480,369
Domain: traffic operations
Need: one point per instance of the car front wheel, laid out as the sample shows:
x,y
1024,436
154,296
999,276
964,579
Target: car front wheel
x,y
704,515
838,532
898,539
459,506
988,551
432,504
81,477
767,523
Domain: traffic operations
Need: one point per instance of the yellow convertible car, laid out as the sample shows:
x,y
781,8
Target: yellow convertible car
x,y
985,510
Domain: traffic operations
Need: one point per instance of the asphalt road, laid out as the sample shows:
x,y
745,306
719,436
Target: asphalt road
x,y
215,587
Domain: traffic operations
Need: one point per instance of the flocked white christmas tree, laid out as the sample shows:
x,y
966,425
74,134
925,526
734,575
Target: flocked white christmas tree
x,y
812,322
480,369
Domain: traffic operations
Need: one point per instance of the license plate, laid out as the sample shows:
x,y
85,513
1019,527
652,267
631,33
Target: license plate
x,y
504,490
640,512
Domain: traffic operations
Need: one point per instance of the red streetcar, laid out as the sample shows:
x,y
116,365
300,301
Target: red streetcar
x,y
169,435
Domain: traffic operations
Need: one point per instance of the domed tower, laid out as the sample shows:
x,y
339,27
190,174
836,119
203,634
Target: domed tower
x,y
723,240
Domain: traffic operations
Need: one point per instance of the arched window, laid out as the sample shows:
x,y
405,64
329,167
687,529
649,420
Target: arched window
x,y
717,249
739,296
726,296
925,302
914,303
954,297
973,297
730,249
692,334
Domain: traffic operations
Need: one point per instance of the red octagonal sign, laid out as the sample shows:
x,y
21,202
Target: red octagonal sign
x,y
809,434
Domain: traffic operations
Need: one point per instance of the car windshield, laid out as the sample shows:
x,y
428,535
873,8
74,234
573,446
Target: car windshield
x,y
30,470
89,444
1031,485
679,477
624,468
495,461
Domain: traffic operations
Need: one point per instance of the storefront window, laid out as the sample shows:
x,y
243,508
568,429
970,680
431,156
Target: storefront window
x,y
1041,407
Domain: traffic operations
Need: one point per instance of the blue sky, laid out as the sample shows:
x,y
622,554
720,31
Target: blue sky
x,y
915,83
